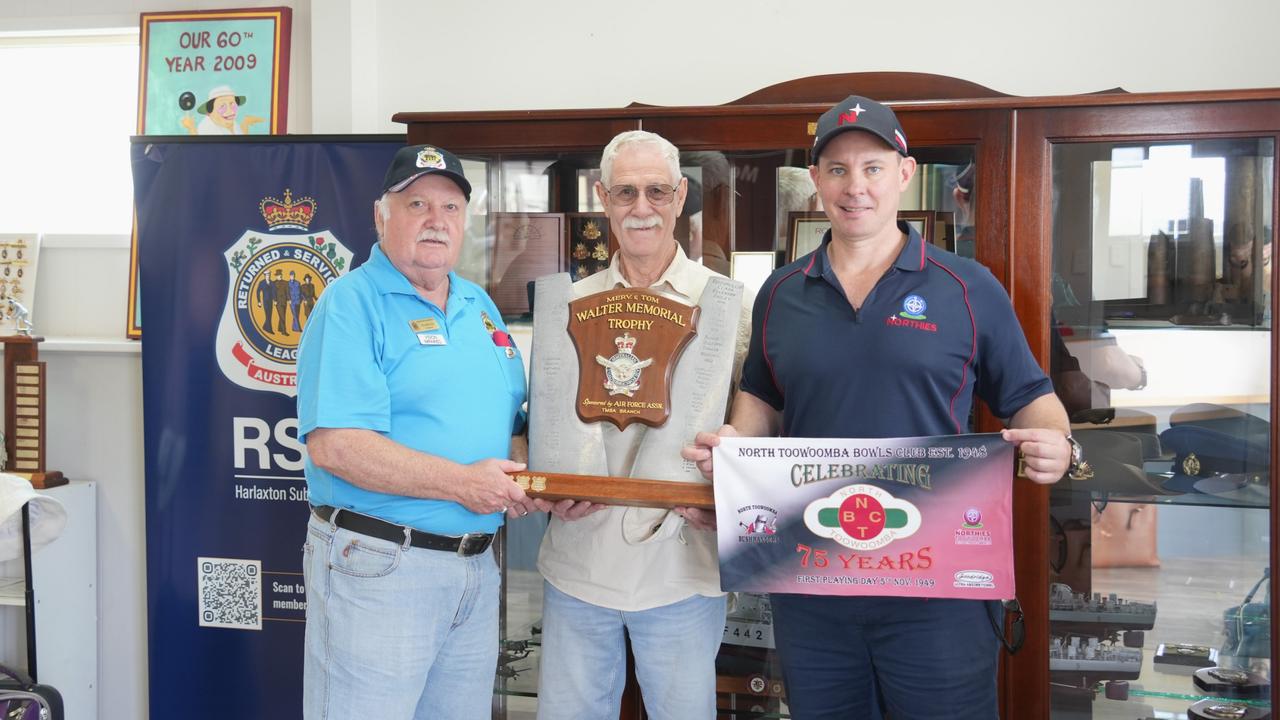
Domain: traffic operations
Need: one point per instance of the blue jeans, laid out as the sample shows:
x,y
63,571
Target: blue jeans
x,y
918,659
396,633
584,658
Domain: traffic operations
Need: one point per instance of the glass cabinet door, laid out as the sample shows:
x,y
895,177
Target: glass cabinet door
x,y
746,213
1160,350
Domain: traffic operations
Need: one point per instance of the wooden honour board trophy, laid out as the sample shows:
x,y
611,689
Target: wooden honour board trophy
x,y
623,356
25,424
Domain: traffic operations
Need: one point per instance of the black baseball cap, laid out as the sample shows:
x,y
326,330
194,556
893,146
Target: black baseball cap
x,y
859,113
414,161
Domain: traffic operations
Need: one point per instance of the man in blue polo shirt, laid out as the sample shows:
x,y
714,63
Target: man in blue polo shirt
x,y
878,334
409,394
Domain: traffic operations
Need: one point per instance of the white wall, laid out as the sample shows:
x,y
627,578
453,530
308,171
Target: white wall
x,y
356,62
426,56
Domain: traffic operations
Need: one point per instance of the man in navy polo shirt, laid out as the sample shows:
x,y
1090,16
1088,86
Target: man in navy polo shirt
x,y
878,334
409,394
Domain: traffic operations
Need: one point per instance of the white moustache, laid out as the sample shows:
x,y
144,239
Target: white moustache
x,y
635,223
437,235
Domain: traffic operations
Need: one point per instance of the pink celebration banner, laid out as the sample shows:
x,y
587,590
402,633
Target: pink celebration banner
x,y
918,517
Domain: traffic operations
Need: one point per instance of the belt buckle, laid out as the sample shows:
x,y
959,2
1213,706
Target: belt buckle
x,y
473,544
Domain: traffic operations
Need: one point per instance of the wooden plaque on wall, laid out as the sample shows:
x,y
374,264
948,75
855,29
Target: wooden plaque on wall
x,y
526,246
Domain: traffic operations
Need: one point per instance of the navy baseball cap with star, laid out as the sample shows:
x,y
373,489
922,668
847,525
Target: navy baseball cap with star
x,y
859,113
414,161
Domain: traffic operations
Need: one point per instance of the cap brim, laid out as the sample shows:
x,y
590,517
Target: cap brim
x,y
1180,484
818,148
458,180
1234,487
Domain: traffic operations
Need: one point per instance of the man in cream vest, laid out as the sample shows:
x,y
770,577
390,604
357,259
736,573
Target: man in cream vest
x,y
647,574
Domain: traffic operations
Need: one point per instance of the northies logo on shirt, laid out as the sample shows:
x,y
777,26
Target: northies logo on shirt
x,y
912,315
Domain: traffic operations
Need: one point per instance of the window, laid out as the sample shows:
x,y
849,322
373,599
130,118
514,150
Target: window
x,y
64,137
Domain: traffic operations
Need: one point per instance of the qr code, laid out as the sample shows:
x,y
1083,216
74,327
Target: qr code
x,y
230,593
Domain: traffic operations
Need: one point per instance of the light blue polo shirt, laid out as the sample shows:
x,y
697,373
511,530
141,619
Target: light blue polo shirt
x,y
376,356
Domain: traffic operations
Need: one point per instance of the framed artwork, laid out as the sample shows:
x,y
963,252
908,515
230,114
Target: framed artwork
x,y
133,312
18,255
526,246
752,269
214,72
588,244
921,220
944,230
805,233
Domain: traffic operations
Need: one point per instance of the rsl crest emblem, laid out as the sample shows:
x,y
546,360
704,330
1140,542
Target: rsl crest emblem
x,y
274,280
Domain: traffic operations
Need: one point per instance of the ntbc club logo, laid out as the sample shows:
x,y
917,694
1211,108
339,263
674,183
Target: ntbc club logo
x,y
275,280
862,517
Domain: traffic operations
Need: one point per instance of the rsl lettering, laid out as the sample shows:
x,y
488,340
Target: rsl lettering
x,y
273,447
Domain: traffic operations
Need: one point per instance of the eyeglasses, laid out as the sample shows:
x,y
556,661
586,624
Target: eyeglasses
x,y
628,194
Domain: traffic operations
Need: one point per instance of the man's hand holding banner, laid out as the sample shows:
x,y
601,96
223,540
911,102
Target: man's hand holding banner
x,y
919,517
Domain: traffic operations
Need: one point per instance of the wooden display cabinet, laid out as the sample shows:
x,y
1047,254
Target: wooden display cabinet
x,y
1028,213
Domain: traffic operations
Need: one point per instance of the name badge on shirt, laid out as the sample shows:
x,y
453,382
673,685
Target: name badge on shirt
x,y
432,339
424,325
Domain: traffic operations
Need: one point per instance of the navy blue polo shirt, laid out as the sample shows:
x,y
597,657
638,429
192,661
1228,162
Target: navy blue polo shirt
x,y
935,329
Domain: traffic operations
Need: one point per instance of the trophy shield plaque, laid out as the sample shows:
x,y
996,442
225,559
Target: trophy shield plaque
x,y
636,360
24,412
628,342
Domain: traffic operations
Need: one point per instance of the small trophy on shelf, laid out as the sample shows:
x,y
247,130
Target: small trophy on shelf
x,y
24,407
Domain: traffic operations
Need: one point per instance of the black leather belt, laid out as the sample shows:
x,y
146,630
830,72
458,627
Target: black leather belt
x,y
464,545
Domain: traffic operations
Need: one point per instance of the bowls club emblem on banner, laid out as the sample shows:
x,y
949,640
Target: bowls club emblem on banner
x,y
275,278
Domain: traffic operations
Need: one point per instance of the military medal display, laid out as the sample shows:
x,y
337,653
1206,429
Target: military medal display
x,y
589,247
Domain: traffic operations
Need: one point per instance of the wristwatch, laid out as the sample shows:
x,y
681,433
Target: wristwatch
x,y
1078,469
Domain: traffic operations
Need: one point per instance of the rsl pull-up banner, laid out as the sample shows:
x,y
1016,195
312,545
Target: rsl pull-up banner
x,y
920,517
236,242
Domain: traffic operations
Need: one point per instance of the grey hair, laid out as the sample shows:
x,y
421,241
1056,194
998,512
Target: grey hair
x,y
639,137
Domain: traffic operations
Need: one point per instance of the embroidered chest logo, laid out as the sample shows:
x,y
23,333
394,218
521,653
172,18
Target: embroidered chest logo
x,y
912,315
